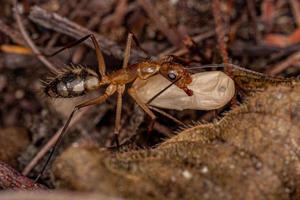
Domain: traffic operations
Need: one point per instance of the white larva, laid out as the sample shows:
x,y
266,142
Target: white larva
x,y
212,90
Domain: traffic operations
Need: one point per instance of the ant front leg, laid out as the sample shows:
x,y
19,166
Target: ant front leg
x,y
132,92
110,90
127,50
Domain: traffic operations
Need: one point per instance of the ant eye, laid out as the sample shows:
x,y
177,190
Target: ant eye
x,y
172,76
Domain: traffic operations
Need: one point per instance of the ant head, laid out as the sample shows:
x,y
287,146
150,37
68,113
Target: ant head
x,y
176,73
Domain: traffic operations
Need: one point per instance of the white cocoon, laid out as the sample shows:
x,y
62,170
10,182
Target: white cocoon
x,y
212,90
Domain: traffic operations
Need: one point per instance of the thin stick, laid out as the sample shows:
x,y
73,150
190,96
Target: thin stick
x,y
216,9
292,59
254,20
29,42
63,25
295,6
119,13
55,194
13,34
163,129
13,180
182,51
163,26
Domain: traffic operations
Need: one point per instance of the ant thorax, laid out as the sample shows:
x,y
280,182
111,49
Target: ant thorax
x,y
147,69
72,82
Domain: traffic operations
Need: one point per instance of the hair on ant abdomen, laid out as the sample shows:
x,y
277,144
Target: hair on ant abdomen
x,y
72,82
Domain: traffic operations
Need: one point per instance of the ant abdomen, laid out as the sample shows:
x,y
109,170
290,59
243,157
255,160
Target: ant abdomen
x,y
72,82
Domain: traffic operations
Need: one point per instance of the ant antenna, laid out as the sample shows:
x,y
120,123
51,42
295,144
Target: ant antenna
x,y
197,66
160,92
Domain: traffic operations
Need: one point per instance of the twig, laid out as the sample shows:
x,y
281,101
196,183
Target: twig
x,y
160,25
220,32
166,131
267,14
54,195
119,13
14,35
284,64
295,6
13,180
51,142
252,13
72,14
28,40
63,25
182,51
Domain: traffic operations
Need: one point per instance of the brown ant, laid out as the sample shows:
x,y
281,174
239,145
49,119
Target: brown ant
x,y
77,81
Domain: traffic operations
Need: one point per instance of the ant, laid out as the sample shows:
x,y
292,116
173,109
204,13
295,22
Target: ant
x,y
77,81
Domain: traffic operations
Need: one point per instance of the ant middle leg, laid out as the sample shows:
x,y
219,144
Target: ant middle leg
x,y
120,92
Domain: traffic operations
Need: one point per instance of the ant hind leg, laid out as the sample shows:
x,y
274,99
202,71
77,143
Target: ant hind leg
x,y
98,100
100,57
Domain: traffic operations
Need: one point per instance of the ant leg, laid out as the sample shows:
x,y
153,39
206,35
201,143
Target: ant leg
x,y
127,50
120,91
138,85
132,92
100,58
167,115
109,91
136,41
